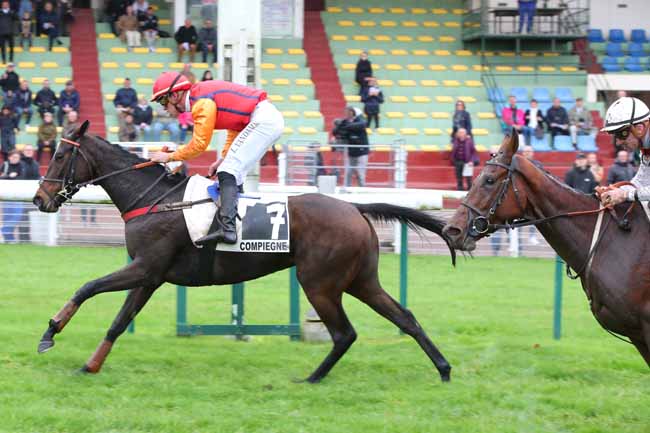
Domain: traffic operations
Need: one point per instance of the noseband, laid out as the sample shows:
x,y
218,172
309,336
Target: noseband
x,y
480,224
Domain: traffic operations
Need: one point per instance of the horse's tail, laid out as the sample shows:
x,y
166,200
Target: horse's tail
x,y
411,217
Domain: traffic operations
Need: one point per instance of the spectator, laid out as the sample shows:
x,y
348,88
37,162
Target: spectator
x,y
186,38
127,131
580,176
464,157
534,122
512,116
31,173
23,104
114,10
187,73
186,123
46,136
461,119
363,71
64,11
596,169
25,6
71,121
45,99
125,100
372,97
140,8
9,80
352,130
7,23
207,76
621,94
165,122
26,30
579,121
142,118
208,41
621,170
31,166
7,131
526,14
49,23
68,101
11,101
12,212
128,28
529,154
558,119
149,28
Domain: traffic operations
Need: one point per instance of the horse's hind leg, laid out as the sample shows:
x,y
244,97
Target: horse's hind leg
x,y
371,293
134,302
330,310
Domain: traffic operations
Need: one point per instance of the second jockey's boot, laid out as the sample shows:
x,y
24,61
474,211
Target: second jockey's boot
x,y
227,231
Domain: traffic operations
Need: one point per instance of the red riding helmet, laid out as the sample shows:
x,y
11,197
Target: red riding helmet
x,y
169,82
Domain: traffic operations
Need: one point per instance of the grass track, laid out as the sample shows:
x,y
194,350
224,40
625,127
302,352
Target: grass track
x,y
491,317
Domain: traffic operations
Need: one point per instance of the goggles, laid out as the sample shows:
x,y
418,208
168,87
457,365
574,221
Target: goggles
x,y
163,100
622,134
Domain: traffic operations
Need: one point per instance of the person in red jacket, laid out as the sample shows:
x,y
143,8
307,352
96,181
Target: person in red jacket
x,y
252,122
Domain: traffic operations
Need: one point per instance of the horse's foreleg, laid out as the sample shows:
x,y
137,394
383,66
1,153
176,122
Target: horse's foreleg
x,y
132,275
136,299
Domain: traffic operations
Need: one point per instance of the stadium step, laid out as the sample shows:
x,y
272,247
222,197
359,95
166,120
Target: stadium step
x,y
83,46
323,71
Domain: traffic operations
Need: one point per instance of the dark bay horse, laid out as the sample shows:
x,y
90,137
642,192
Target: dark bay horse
x,y
333,246
617,281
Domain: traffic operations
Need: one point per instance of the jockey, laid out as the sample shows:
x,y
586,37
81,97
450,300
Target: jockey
x,y
252,122
628,121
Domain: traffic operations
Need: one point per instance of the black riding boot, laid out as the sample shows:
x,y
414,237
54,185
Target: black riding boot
x,y
226,231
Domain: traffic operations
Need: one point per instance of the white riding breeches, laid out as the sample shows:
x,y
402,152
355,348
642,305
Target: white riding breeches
x,y
265,128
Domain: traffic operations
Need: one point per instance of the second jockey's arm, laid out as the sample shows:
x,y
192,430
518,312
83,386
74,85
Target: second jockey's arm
x,y
204,114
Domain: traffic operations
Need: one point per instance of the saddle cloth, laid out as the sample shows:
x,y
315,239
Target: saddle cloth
x,y
262,225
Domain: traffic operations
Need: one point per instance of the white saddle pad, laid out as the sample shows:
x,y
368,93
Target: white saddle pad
x,y
264,223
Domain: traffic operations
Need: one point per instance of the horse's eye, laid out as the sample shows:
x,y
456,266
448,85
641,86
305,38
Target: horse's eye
x,y
489,181
58,156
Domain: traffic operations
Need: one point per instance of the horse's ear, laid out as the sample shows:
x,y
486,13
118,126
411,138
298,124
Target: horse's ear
x,y
82,129
514,141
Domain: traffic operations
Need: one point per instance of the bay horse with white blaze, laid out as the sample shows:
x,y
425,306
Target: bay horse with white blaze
x,y
613,263
333,246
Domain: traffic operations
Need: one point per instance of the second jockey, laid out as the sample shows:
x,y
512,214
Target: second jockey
x,y
253,125
628,120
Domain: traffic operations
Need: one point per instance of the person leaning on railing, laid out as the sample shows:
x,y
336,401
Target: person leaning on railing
x,y
352,131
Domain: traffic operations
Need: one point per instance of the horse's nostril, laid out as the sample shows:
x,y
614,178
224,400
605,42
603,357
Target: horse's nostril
x,y
37,201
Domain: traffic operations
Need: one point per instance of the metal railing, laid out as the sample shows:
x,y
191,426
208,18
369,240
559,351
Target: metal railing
x,y
302,161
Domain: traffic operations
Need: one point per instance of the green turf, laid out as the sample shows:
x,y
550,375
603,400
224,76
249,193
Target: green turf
x,y
490,317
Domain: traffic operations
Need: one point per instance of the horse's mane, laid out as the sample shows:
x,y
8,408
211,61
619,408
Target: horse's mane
x,y
131,158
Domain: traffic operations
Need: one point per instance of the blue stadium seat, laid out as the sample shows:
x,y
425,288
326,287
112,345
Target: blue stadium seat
x,y
633,64
614,49
496,95
544,106
638,36
541,94
521,93
565,95
610,64
562,143
616,35
595,35
587,143
635,49
540,144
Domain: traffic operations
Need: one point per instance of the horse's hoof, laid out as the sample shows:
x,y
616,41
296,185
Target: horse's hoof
x,y
45,345
445,375
313,380
86,370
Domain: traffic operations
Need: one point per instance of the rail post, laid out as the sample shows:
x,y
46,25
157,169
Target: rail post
x,y
557,303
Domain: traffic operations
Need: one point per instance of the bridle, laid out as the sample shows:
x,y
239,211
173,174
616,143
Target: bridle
x,y
480,224
70,188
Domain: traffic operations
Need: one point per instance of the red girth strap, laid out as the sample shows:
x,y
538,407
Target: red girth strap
x,y
138,212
